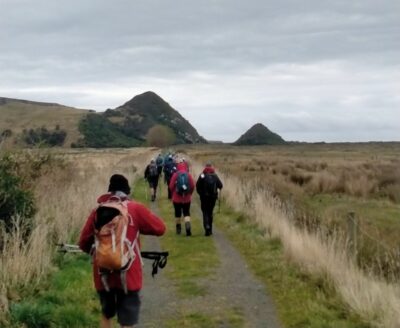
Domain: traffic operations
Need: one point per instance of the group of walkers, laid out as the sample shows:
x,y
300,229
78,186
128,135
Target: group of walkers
x,y
111,232
180,186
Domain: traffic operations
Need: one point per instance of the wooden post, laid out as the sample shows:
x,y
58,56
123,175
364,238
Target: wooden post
x,y
352,233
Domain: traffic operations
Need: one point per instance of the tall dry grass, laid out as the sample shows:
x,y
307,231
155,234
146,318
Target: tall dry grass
x,y
371,297
64,198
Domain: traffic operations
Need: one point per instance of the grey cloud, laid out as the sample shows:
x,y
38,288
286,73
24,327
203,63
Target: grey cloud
x,y
275,60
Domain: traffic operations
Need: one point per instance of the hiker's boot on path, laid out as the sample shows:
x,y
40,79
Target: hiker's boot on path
x,y
188,229
207,233
178,228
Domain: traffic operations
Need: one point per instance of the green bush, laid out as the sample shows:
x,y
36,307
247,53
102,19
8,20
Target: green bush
x,y
15,200
99,132
42,136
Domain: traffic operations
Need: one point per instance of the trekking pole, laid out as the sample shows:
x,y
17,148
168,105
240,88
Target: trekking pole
x,y
68,248
219,201
159,258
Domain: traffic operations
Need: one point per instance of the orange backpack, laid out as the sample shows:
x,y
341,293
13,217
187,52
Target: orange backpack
x,y
113,251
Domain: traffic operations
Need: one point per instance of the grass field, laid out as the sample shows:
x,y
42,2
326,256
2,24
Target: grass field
x,y
309,288
323,183
18,116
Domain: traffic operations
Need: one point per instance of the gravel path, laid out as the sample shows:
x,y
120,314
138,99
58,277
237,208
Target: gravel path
x,y
232,287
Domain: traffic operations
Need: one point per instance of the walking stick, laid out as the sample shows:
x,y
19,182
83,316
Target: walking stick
x,y
159,258
219,201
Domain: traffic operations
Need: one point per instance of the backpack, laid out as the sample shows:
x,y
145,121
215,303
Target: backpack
x,y
210,185
169,168
113,251
182,183
159,161
153,171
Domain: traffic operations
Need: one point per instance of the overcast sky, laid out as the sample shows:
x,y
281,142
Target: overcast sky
x,y
309,70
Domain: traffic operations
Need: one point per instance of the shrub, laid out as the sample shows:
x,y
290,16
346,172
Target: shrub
x,y
42,136
14,199
99,132
160,136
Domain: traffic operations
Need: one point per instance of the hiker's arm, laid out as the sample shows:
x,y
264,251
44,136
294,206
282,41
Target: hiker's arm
x,y
86,239
219,183
172,182
199,185
146,172
191,183
149,223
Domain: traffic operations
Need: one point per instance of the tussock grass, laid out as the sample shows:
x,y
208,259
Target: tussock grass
x,y
375,300
64,198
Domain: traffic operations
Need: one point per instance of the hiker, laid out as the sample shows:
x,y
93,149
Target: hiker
x,y
183,160
182,187
207,186
160,163
118,290
169,170
151,175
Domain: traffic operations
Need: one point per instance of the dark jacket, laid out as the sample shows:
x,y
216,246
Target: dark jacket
x,y
207,180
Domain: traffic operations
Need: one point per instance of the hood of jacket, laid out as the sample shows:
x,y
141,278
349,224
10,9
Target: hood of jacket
x,y
182,167
105,197
209,170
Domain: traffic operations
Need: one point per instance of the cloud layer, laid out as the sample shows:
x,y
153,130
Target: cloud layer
x,y
310,70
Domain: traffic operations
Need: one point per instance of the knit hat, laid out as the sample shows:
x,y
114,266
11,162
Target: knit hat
x,y
119,183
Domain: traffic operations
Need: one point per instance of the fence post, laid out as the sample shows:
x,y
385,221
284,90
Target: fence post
x,y
352,233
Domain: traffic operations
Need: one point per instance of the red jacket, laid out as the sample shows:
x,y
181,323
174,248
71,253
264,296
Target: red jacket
x,y
176,198
144,221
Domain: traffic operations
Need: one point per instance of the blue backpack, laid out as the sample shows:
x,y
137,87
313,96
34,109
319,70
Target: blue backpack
x,y
182,183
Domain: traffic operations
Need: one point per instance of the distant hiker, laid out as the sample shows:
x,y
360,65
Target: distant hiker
x,y
183,160
182,187
207,187
117,221
151,175
160,163
169,170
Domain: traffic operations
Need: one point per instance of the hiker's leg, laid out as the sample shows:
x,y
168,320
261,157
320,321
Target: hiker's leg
x,y
128,306
211,212
169,191
204,212
155,187
186,214
108,308
105,323
178,213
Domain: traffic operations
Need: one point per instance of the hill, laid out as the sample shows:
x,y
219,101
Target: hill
x,y
18,115
148,109
259,134
28,122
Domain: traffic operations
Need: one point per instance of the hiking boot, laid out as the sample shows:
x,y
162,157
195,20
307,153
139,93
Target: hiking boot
x,y
188,229
208,233
153,198
178,229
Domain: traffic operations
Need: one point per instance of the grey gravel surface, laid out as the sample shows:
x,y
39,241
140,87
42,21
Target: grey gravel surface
x,y
233,286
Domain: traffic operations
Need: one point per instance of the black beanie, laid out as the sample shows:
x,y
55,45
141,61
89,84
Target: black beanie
x,y
119,183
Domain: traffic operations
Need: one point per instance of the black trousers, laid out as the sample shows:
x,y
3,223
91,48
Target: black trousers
x,y
207,207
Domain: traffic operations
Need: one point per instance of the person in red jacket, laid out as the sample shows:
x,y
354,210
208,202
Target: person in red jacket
x,y
116,300
182,187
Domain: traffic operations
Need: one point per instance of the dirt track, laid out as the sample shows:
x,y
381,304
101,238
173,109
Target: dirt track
x,y
233,286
